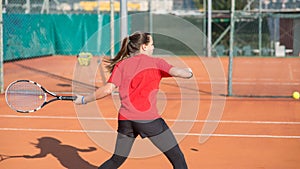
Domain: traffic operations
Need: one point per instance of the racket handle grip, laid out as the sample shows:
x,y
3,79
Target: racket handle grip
x,y
72,98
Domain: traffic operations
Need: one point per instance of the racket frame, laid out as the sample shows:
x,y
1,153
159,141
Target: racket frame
x,y
56,97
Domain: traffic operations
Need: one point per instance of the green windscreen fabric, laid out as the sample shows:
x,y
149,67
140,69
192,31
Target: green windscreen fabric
x,y
26,36
34,35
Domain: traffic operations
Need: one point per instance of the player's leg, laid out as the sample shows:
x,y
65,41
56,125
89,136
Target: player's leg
x,y
125,140
162,137
176,157
166,142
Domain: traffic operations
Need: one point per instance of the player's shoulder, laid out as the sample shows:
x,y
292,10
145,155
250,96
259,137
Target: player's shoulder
x,y
153,58
142,58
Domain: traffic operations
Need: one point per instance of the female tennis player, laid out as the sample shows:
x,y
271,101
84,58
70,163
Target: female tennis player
x,y
137,75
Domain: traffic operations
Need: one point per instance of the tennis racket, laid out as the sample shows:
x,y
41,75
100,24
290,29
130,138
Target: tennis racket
x,y
26,96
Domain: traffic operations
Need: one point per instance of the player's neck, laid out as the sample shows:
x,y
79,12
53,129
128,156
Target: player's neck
x,y
139,53
145,52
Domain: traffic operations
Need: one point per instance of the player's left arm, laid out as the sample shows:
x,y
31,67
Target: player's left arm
x,y
181,72
100,93
173,70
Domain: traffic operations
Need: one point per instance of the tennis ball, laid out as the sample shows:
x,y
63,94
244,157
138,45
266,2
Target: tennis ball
x,y
296,95
40,96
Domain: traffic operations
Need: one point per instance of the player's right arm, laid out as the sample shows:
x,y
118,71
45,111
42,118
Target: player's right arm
x,y
181,72
101,92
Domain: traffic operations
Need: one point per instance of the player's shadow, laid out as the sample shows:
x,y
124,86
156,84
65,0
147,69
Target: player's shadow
x,y
67,155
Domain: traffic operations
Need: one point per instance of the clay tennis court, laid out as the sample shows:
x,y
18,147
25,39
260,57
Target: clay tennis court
x,y
250,132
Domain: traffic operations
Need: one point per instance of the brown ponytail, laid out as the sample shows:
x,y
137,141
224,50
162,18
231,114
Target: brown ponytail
x,y
130,47
122,54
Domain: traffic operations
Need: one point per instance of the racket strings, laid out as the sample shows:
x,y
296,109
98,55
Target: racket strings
x,y
25,96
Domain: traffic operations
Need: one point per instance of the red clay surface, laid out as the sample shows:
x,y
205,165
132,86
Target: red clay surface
x,y
250,133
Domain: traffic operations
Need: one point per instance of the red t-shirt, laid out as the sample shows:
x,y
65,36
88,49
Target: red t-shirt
x,y
138,80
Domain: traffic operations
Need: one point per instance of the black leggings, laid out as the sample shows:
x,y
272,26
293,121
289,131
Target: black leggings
x,y
159,134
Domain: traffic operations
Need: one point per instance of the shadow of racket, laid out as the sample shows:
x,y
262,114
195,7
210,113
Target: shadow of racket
x,y
6,157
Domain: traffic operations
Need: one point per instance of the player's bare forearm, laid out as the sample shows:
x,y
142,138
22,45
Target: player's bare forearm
x,y
100,93
181,72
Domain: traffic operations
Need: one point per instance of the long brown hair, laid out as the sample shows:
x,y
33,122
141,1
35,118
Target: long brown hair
x,y
130,47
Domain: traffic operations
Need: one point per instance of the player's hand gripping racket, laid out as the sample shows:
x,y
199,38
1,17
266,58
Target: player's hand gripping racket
x,y
26,96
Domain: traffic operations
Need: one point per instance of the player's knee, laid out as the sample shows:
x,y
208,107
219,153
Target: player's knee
x,y
177,158
175,152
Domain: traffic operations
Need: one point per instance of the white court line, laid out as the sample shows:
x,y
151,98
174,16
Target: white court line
x,y
254,83
238,82
171,120
184,134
